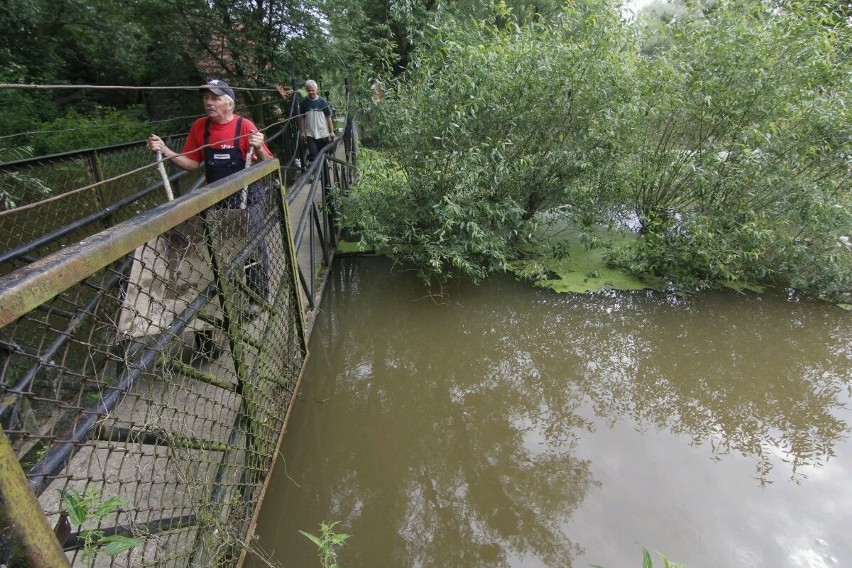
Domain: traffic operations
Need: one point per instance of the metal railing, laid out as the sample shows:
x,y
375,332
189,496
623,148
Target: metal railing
x,y
93,190
85,202
315,231
149,353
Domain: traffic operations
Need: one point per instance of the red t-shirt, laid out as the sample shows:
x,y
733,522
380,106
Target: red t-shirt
x,y
221,137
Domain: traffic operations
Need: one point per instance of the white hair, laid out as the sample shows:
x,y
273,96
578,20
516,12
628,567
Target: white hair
x,y
230,100
310,83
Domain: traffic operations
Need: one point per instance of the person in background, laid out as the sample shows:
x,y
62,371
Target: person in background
x,y
221,141
315,125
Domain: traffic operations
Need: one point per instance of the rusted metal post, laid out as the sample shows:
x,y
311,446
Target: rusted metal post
x,y
93,166
21,516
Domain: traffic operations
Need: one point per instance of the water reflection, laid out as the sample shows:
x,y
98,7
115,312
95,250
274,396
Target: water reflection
x,y
760,387
466,490
447,434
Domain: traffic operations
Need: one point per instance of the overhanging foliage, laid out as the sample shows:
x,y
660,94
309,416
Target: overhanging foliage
x,y
730,146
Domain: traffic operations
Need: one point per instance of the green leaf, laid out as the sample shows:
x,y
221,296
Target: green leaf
x,y
116,544
313,538
108,507
75,505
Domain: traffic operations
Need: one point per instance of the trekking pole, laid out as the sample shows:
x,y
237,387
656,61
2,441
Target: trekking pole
x,y
244,191
162,169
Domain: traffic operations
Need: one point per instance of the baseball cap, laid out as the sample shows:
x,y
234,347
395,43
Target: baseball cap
x,y
218,87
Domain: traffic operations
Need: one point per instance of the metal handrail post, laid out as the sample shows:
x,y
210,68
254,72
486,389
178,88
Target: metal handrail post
x,y
22,516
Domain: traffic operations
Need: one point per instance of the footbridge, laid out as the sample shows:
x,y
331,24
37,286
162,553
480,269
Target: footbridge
x,y
150,348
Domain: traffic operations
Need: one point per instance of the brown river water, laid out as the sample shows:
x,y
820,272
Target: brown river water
x,y
505,425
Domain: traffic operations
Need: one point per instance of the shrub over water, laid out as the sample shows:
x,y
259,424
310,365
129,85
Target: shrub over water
x,y
728,143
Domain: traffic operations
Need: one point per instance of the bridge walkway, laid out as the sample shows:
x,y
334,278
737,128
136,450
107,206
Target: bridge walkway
x,y
160,417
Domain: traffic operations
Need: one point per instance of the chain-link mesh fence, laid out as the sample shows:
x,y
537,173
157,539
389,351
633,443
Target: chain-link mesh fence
x,y
146,371
47,203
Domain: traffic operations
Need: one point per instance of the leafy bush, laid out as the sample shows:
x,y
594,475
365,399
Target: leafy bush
x,y
742,169
489,127
729,142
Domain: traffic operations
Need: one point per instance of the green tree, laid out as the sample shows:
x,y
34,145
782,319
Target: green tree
x,y
490,126
376,38
24,58
254,43
68,42
176,42
728,146
739,167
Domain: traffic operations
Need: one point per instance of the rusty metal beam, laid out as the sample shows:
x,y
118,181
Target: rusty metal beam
x,y
21,515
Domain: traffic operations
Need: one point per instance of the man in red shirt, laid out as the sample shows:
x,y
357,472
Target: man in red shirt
x,y
221,141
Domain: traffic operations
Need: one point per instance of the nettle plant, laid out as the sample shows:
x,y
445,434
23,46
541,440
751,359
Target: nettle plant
x,y
327,542
90,506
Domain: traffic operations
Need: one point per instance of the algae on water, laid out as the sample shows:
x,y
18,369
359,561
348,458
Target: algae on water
x,y
582,268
